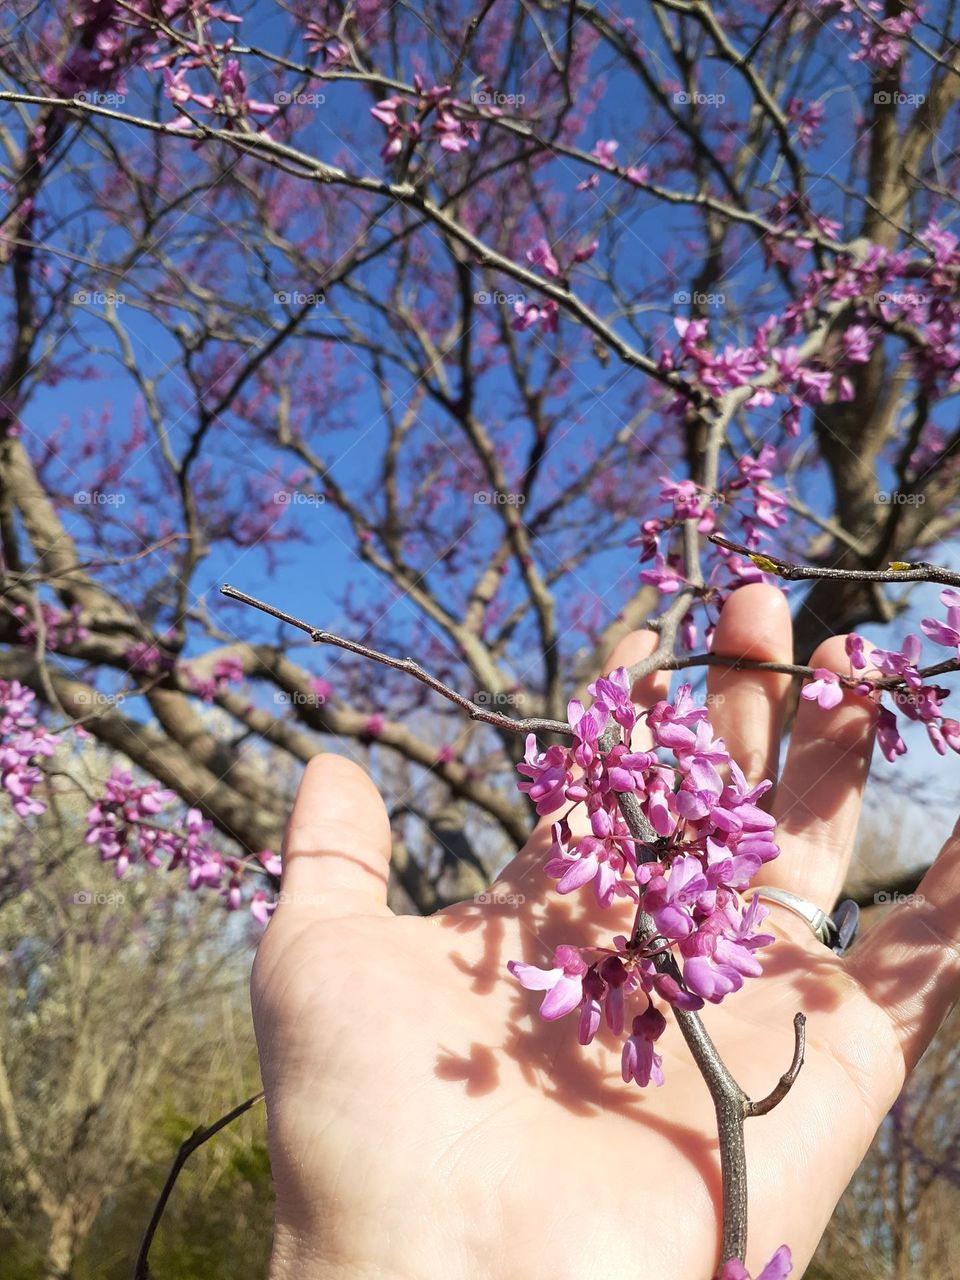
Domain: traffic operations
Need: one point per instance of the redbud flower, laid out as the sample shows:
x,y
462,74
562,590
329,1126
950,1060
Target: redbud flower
x,y
857,344
950,730
270,862
261,908
531,313
541,255
614,692
888,735
823,689
854,647
639,1062
900,662
662,576
563,983
549,776
713,838
778,1268
945,633
604,152
321,689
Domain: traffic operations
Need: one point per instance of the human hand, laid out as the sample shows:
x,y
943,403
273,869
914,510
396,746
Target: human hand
x,y
424,1122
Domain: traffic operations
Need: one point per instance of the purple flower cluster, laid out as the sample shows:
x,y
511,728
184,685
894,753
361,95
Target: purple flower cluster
x,y
903,684
881,42
59,628
455,133
711,839
148,658
124,825
760,509
225,671
22,741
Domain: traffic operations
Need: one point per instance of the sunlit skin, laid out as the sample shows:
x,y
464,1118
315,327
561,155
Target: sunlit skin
x,y
424,1122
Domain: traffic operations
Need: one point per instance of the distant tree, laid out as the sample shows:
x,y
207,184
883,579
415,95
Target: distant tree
x,y
112,998
450,302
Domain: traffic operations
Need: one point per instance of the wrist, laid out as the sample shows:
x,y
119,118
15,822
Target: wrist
x,y
296,1255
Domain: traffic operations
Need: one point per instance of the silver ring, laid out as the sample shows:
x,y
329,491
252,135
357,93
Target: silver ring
x,y
815,916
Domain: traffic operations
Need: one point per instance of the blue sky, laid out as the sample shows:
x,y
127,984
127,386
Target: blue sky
x,y
312,576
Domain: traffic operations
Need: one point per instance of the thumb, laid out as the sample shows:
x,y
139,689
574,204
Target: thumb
x,y
336,854
910,961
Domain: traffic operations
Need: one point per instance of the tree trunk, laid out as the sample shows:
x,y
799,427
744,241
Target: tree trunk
x,y
61,1248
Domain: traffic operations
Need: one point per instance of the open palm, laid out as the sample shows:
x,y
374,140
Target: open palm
x,y
425,1123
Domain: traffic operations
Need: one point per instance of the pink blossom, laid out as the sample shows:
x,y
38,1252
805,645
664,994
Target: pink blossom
x,y
900,662
228,670
321,689
530,313
720,954
778,1268
857,344
614,692
662,576
713,838
549,775
808,118
946,633
22,741
270,862
823,689
855,651
604,151
888,735
541,255
563,983
261,906
639,1061
686,497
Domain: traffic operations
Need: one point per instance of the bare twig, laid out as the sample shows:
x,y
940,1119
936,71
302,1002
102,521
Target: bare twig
x,y
528,724
899,572
786,1081
186,1150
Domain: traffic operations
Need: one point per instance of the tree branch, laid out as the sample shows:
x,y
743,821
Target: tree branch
x,y
186,1150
